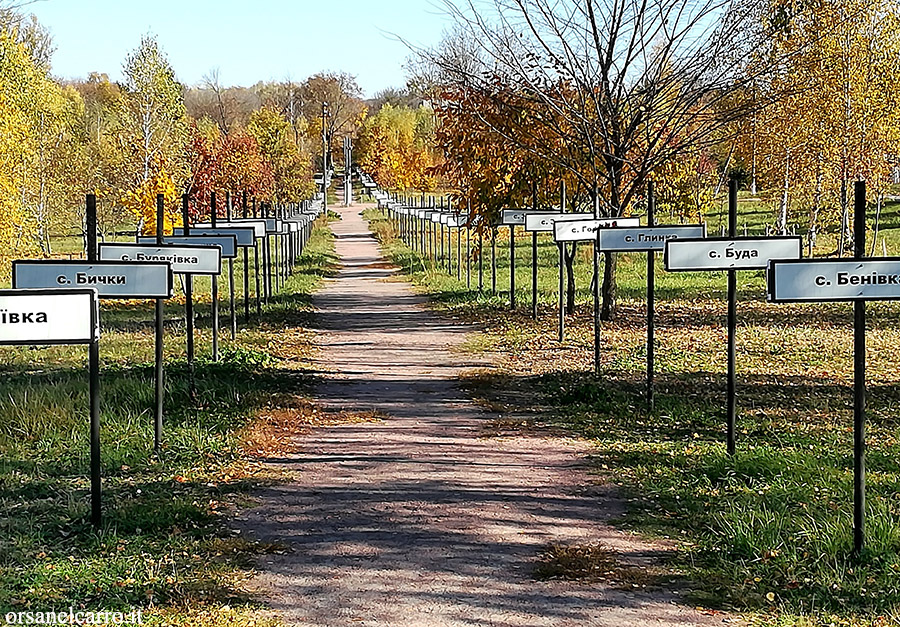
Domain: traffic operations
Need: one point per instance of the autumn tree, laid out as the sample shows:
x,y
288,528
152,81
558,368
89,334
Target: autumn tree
x,y
626,85
831,116
397,146
159,129
346,110
290,168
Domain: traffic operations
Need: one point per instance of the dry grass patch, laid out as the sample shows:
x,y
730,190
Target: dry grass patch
x,y
596,563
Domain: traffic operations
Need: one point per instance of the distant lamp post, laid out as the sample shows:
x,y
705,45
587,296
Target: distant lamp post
x,y
324,157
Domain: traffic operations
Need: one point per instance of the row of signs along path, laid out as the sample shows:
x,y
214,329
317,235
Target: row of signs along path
x,y
419,520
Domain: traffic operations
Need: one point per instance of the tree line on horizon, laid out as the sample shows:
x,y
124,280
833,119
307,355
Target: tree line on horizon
x,y
148,134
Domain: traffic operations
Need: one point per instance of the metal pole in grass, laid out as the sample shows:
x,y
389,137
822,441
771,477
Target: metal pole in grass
x,y
160,311
232,312
246,265
256,268
534,259
480,258
859,378
651,298
493,260
94,375
732,323
562,268
188,297
596,255
512,266
214,279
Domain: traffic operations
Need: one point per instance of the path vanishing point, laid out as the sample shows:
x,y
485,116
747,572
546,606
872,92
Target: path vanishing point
x,y
421,519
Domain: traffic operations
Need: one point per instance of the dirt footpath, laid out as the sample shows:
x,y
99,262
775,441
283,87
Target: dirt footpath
x,y
419,519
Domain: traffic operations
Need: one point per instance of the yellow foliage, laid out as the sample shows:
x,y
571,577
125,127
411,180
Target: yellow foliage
x,y
142,203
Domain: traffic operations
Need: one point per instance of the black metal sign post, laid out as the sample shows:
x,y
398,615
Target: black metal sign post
x,y
246,265
512,266
232,312
189,297
859,280
94,376
730,254
730,408
534,259
493,260
256,272
562,269
859,378
651,299
160,315
215,287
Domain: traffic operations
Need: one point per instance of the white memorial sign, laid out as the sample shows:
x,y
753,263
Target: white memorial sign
x,y
258,226
822,280
582,230
246,236
110,279
538,222
228,244
645,238
184,259
743,253
49,317
516,217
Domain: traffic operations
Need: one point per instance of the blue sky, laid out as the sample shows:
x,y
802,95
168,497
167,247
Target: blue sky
x,y
247,41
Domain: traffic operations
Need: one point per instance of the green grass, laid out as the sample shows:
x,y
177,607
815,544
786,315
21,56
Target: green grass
x,y
165,544
767,532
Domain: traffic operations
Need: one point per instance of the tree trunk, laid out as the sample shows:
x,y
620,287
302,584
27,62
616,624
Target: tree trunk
x,y
608,289
570,278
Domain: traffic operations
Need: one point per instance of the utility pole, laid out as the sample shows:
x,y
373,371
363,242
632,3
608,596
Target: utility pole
x,y
324,157
348,160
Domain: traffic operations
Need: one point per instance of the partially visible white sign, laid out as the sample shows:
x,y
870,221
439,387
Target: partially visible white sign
x,y
822,280
48,316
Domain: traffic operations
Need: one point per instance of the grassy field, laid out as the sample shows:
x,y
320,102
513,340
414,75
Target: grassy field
x,y
767,532
165,545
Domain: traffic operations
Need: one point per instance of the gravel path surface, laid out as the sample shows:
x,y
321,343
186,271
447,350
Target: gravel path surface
x,y
420,520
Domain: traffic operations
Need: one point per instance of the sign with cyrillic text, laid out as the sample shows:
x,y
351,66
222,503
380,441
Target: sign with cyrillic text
x,y
457,222
39,317
228,243
246,236
183,259
258,226
272,225
718,253
543,223
822,280
586,230
645,238
111,279
516,217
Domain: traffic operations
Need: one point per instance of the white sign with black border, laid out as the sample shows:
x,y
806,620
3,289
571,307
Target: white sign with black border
x,y
228,243
258,226
645,238
586,230
825,280
183,259
246,236
543,223
49,317
111,279
723,253
516,217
